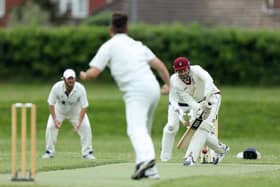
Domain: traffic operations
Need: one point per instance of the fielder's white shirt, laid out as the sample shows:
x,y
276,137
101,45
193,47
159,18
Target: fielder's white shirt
x,y
128,61
71,104
201,86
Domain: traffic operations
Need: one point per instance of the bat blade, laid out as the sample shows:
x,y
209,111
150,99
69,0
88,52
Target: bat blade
x,y
188,134
186,138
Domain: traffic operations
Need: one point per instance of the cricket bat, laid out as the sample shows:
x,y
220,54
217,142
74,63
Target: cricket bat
x,y
186,137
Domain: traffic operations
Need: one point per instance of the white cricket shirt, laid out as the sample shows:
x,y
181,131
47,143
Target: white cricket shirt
x,y
71,104
201,86
128,61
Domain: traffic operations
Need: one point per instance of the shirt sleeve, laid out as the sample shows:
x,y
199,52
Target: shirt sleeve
x,y
173,99
191,101
208,81
149,54
102,57
52,96
83,100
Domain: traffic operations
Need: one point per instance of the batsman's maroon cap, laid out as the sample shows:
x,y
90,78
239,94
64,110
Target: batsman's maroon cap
x,y
181,63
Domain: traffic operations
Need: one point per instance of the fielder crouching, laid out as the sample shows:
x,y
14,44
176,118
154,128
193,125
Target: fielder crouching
x,y
192,91
68,100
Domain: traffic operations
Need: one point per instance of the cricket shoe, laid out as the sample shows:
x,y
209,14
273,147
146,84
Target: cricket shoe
x,y
220,156
48,154
141,169
89,156
152,173
188,161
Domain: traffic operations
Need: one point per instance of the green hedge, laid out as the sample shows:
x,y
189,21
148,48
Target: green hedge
x,y
232,56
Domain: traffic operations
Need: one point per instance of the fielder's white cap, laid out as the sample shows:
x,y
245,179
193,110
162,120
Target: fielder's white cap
x,y
69,73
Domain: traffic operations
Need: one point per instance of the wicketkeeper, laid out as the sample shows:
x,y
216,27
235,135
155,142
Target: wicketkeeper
x,y
192,91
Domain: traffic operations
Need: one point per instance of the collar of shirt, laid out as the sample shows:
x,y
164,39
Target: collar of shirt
x,y
72,91
120,34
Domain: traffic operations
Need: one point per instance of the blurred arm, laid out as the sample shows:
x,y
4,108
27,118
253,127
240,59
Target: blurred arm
x,y
81,118
91,73
52,112
159,66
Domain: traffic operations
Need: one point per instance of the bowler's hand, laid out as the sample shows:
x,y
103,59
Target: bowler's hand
x,y
83,75
164,89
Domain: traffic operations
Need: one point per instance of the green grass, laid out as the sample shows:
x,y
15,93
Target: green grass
x,y
171,174
249,117
117,149
258,179
248,111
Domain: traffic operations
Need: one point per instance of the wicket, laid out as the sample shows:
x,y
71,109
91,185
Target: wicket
x,y
23,174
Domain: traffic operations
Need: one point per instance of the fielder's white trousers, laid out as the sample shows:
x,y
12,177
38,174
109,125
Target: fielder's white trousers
x,y
139,116
84,133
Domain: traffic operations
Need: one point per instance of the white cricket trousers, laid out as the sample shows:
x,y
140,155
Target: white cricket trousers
x,y
171,128
169,132
139,116
201,138
204,135
84,133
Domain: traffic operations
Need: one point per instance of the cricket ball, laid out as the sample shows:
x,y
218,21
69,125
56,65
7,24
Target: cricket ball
x,y
204,151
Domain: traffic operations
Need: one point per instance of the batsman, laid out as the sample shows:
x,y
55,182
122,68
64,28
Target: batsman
x,y
192,92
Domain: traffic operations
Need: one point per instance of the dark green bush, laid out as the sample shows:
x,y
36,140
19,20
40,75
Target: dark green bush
x,y
232,56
